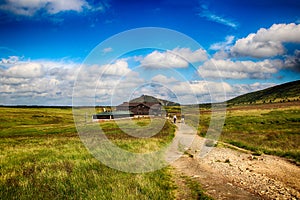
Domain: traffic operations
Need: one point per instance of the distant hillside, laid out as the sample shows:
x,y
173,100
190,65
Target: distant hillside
x,y
279,93
150,99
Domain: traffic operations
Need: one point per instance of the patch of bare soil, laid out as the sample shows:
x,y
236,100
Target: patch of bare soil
x,y
183,191
226,173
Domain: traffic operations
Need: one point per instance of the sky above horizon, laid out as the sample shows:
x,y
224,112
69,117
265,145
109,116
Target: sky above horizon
x,y
198,51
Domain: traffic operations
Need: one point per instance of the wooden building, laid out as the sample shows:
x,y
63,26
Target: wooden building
x,y
145,108
130,109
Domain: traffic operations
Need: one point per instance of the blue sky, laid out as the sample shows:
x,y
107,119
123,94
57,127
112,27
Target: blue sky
x,y
43,44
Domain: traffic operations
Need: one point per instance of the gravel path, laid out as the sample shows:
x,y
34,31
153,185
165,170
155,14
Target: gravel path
x,y
227,173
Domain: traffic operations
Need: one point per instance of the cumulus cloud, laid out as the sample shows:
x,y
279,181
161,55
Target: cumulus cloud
x,y
209,87
123,89
249,46
240,89
98,83
211,91
191,56
31,7
51,82
38,82
167,59
293,61
191,92
164,80
223,45
56,6
25,70
201,91
280,33
267,42
229,69
119,68
223,48
176,58
10,60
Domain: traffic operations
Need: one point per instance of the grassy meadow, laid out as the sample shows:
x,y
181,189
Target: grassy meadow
x,y
42,157
139,144
264,128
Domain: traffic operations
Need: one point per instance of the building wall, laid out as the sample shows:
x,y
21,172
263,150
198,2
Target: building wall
x,y
141,109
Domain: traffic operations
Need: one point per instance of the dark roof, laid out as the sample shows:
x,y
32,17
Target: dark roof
x,y
148,104
115,113
156,105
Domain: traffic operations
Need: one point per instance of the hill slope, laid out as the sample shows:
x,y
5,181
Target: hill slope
x,y
150,99
279,93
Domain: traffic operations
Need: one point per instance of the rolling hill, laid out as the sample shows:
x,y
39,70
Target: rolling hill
x,y
150,99
280,93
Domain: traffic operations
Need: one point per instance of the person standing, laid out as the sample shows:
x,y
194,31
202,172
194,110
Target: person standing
x,y
174,118
182,119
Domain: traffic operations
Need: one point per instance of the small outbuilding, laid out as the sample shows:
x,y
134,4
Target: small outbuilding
x,y
113,115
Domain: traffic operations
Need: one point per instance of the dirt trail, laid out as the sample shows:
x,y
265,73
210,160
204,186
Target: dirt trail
x,y
232,174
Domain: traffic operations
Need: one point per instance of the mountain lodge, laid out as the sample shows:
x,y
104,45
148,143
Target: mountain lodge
x,y
145,108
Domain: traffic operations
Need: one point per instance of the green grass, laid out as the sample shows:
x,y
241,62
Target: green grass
x,y
274,131
196,189
139,144
35,121
42,157
172,109
63,169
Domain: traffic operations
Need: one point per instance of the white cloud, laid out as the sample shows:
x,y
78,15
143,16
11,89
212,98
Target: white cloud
x,y
190,92
207,87
267,42
240,89
222,55
223,48
163,79
38,82
199,91
250,47
167,59
51,83
223,45
25,70
107,50
10,60
239,69
123,89
119,68
210,91
191,56
280,33
176,58
56,6
209,15
44,82
31,7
